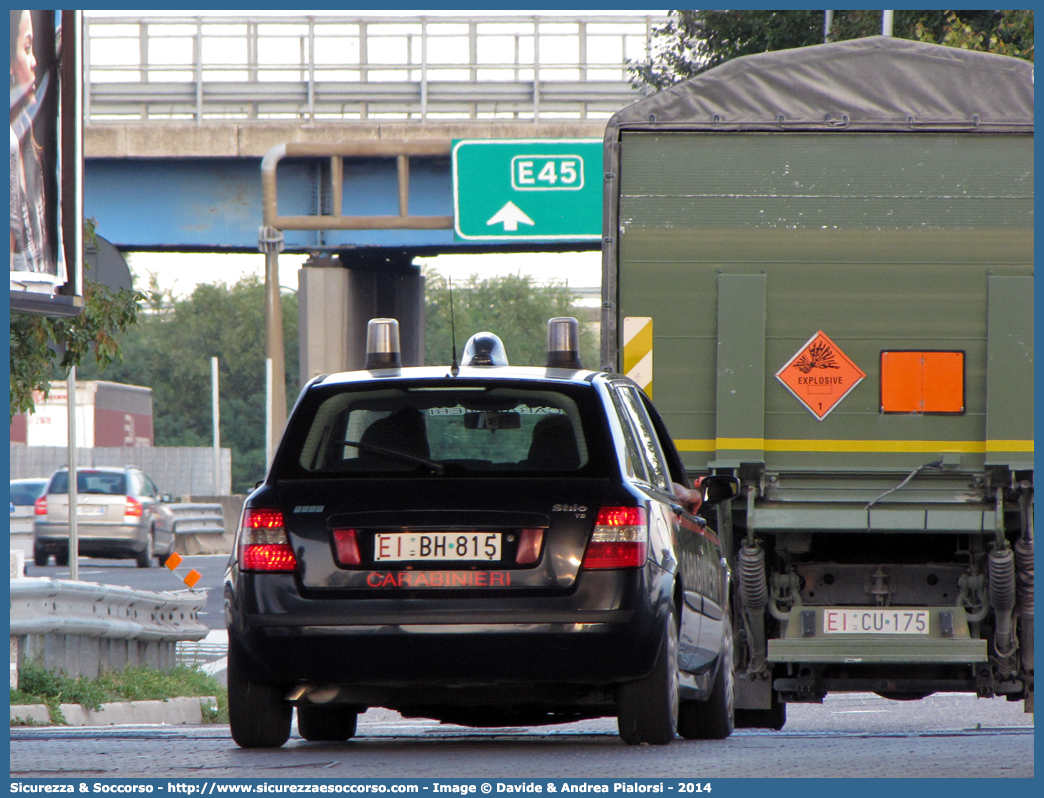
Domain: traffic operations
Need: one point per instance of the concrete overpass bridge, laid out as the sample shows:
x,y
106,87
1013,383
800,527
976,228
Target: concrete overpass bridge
x,y
180,112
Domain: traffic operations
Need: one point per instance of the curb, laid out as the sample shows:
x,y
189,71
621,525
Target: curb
x,y
171,712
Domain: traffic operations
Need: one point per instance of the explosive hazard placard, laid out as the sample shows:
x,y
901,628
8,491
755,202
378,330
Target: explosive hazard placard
x,y
820,375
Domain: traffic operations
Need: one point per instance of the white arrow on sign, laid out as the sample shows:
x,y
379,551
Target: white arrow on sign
x,y
511,216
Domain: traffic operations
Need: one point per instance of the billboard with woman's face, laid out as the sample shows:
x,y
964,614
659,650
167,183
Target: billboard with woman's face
x,y
43,266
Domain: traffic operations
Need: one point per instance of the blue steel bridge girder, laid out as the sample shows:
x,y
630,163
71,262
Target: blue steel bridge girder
x,y
215,204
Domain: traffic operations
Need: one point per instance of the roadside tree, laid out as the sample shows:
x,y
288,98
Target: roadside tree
x,y
513,306
170,351
43,349
692,42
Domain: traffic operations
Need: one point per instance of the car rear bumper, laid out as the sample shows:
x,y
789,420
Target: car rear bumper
x,y
597,635
53,532
92,538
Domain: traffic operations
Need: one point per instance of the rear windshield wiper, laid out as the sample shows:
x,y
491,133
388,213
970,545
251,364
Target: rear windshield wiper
x,y
438,468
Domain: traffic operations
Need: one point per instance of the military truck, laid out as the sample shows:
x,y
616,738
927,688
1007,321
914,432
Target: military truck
x,y
820,263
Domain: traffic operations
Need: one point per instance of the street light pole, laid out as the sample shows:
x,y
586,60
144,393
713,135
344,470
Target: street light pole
x,y
74,538
270,241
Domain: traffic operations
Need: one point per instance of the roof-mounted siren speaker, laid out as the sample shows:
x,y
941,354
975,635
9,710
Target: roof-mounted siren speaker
x,y
484,349
382,344
563,343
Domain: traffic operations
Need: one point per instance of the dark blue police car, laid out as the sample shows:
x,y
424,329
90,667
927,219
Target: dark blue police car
x,y
485,545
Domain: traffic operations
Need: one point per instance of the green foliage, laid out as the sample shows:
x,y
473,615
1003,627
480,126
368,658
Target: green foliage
x,y
1011,35
692,42
42,347
170,351
39,686
512,306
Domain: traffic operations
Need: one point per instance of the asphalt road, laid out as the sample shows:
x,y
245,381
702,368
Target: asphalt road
x,y
157,578
849,736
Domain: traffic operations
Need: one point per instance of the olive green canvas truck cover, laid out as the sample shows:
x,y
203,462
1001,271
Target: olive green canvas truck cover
x,y
819,262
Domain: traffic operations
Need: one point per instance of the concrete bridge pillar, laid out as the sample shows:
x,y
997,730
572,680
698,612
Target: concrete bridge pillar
x,y
338,296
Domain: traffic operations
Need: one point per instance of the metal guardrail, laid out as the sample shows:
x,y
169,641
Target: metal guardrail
x,y
53,606
311,68
84,628
190,519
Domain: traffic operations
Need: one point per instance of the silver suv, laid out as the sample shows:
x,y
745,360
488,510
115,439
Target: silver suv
x,y
120,514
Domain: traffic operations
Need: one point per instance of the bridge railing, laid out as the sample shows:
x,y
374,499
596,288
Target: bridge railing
x,y
341,68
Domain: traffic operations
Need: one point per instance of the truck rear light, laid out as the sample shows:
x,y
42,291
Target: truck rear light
x,y
263,544
133,508
346,547
529,543
619,539
40,505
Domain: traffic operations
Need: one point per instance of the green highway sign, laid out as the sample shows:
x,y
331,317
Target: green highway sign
x,y
527,189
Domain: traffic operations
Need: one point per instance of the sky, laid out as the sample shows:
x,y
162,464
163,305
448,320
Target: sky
x,y
182,272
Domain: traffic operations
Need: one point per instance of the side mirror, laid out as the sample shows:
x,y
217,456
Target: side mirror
x,y
166,498
716,489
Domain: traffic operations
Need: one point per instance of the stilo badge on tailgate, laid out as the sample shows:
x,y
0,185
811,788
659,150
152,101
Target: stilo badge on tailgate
x,y
820,375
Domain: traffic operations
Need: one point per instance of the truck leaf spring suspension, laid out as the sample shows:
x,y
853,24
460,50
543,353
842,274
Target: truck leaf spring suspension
x,y
1001,589
752,579
753,588
1024,576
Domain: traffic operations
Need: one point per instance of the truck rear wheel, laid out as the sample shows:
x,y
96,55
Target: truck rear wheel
x,y
327,724
257,714
40,557
648,708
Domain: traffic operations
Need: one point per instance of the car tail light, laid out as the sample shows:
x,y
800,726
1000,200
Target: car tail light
x,y
133,507
263,544
346,546
618,540
528,551
40,505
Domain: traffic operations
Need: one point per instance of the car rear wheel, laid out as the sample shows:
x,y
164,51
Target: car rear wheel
x,y
715,718
144,557
257,714
61,558
162,556
40,557
648,708
327,724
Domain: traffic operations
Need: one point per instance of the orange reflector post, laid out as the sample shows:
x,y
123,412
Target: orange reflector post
x,y
173,561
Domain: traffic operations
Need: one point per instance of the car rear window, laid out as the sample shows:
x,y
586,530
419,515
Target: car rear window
x,y
91,482
497,430
26,493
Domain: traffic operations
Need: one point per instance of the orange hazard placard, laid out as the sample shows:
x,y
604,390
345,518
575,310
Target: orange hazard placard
x,y
820,375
